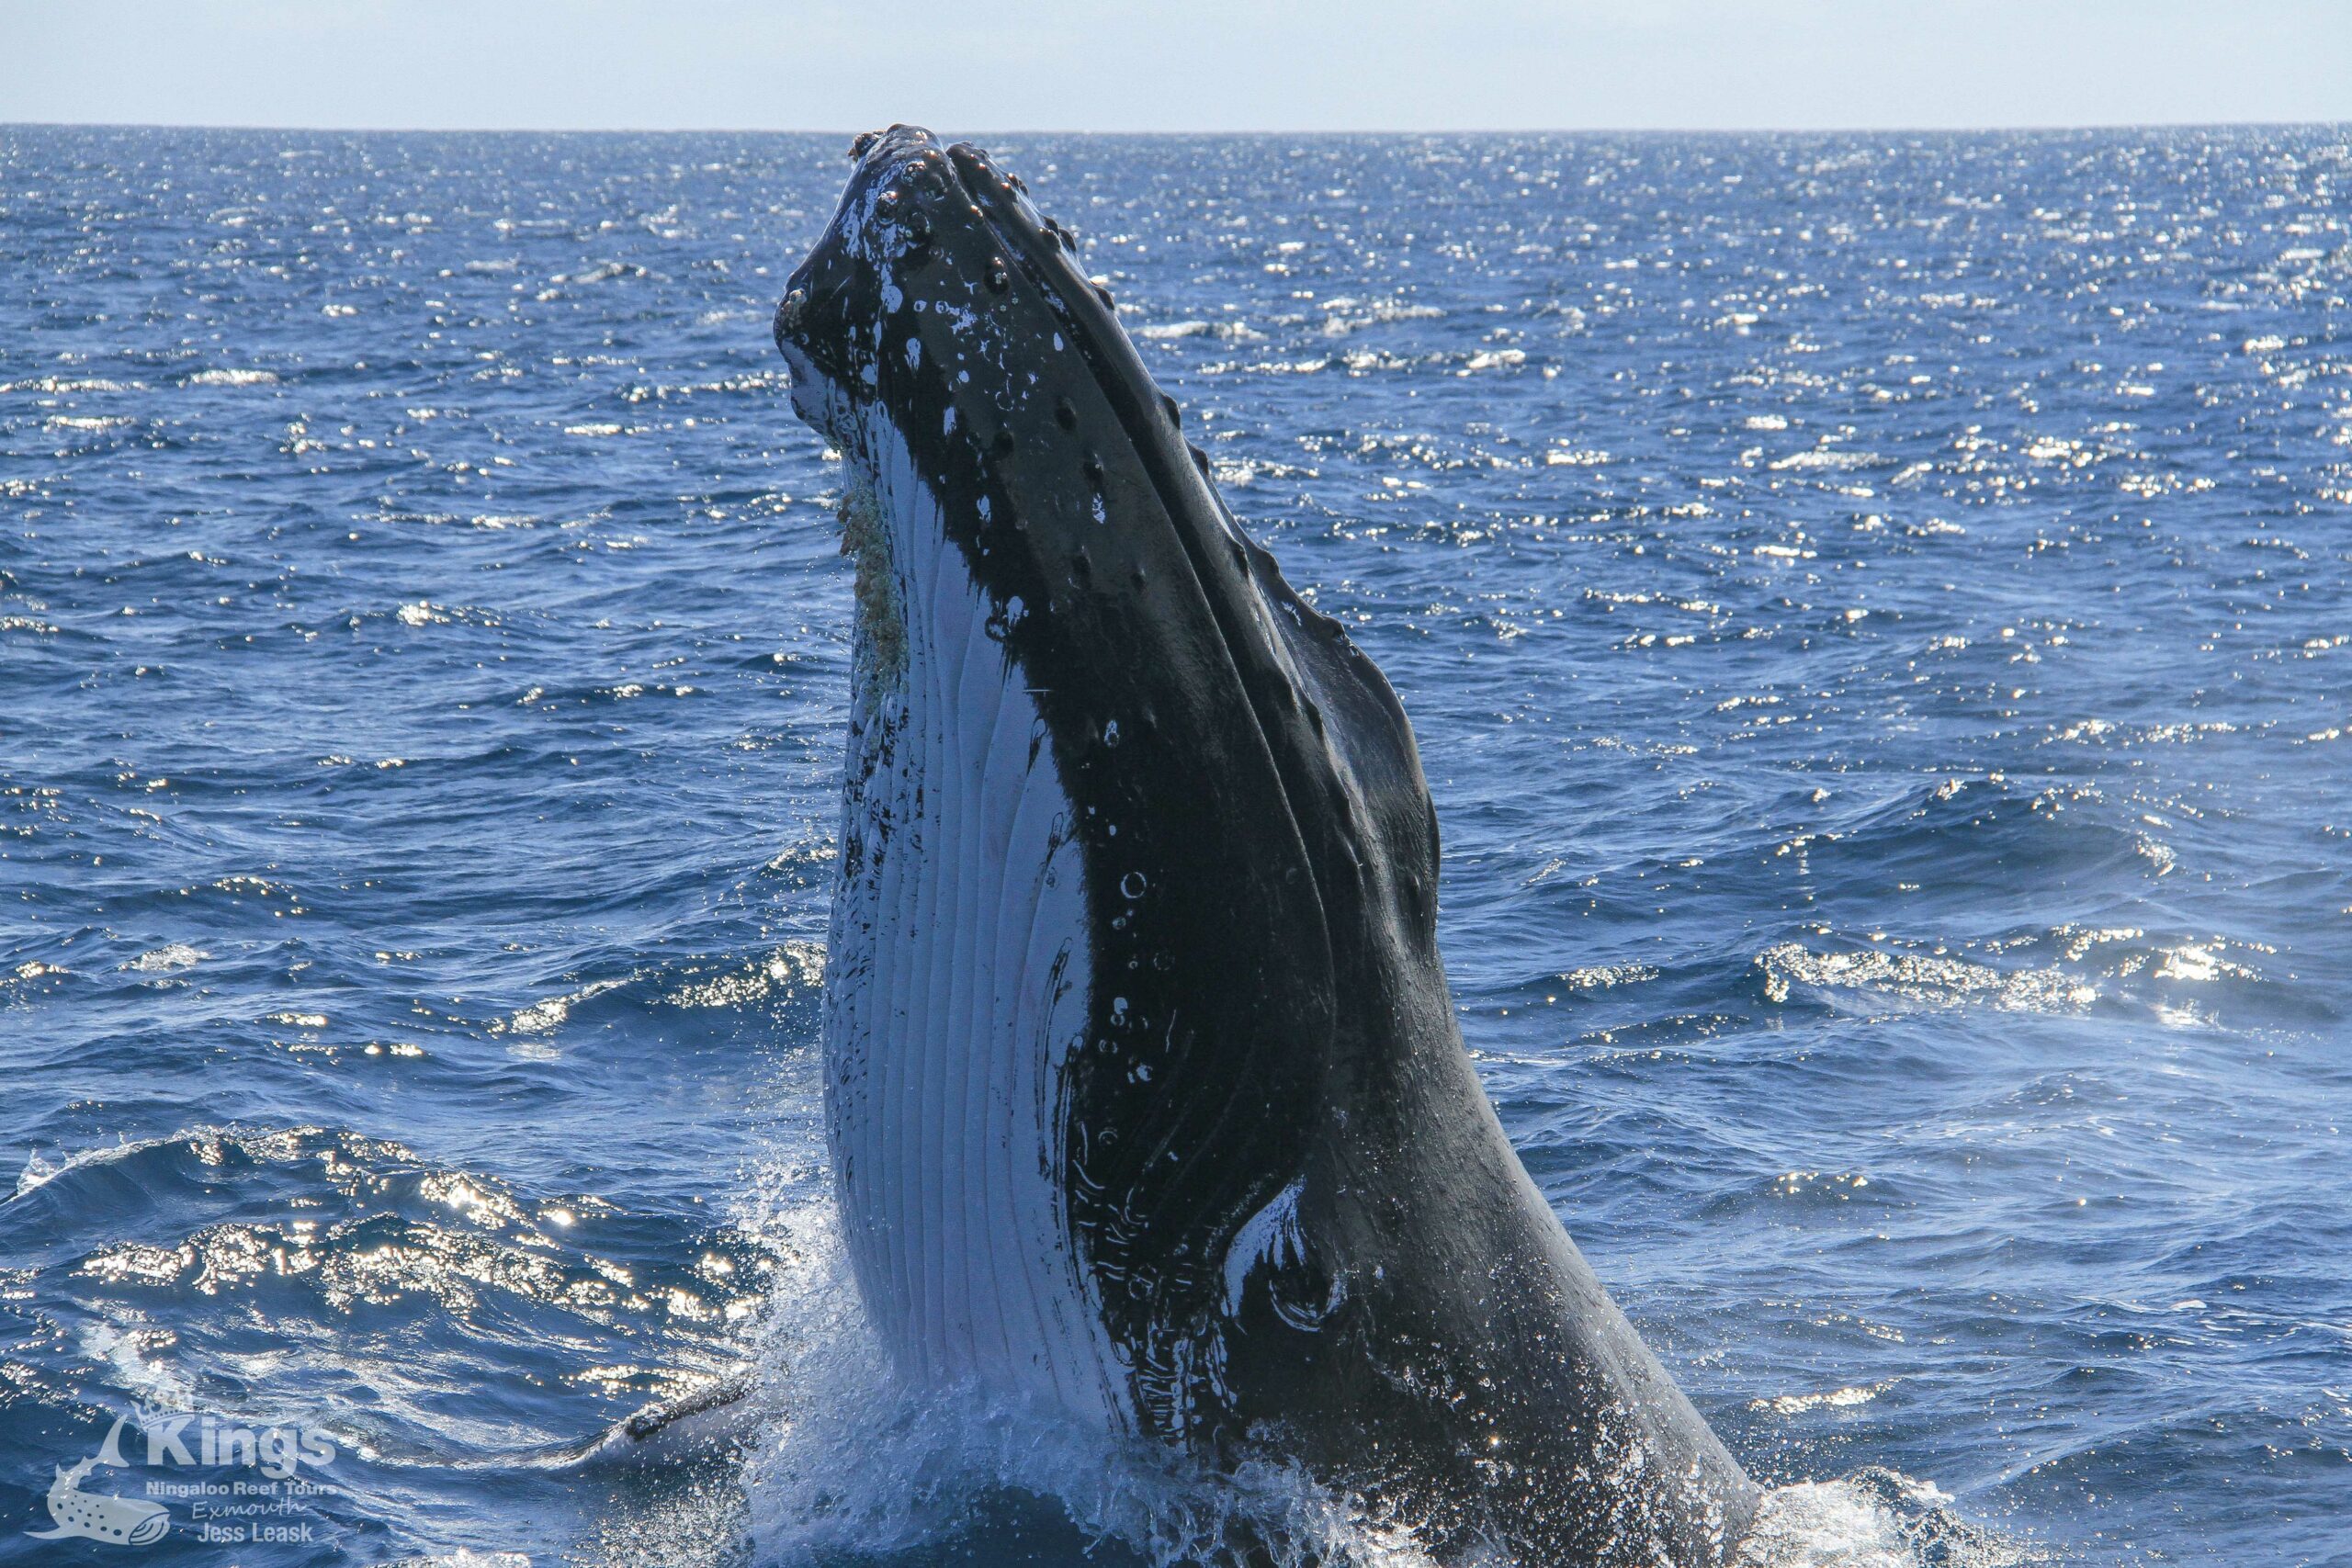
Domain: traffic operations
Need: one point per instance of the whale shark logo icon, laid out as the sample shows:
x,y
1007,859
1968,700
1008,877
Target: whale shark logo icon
x,y
101,1516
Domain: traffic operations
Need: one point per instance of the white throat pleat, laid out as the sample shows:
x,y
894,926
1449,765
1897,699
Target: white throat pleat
x,y
957,988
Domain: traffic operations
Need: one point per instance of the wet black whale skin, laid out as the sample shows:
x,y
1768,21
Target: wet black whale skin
x,y
1270,1013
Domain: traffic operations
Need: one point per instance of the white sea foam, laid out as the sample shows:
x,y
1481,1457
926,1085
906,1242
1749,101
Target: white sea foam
x,y
1921,979
1832,1399
853,1460
1825,457
1494,359
1825,1525
167,959
1874,1518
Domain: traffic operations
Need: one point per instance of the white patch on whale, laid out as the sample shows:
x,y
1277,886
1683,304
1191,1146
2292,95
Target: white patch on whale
x,y
958,981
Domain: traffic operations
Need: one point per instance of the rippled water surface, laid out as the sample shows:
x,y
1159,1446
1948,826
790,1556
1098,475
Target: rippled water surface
x,y
1878,615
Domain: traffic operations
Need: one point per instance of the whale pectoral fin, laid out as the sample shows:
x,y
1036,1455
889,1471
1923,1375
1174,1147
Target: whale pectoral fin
x,y
656,1419
711,1419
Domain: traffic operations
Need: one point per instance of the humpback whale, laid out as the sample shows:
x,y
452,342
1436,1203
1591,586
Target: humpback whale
x,y
1144,1088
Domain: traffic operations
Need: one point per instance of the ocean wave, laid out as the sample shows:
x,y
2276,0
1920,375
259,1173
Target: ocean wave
x,y
168,959
1920,979
232,378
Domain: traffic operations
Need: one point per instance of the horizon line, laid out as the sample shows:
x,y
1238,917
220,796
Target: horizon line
x,y
1923,129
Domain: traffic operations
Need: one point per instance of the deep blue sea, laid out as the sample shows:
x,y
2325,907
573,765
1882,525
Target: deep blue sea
x,y
1877,611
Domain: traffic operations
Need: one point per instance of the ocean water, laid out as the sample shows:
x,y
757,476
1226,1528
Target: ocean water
x,y
1877,611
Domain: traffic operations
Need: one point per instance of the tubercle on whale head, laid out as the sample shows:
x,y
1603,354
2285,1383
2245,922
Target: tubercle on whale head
x,y
938,299
827,324
915,215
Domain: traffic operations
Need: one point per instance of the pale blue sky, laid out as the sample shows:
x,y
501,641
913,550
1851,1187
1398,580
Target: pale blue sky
x,y
1212,64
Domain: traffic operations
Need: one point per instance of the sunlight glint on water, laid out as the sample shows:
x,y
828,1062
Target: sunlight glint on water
x,y
1875,611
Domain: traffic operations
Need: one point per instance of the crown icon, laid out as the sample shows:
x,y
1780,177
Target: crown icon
x,y
157,1409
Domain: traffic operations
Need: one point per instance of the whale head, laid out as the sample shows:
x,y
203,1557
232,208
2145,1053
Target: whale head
x,y
1145,1091
943,336
1228,811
